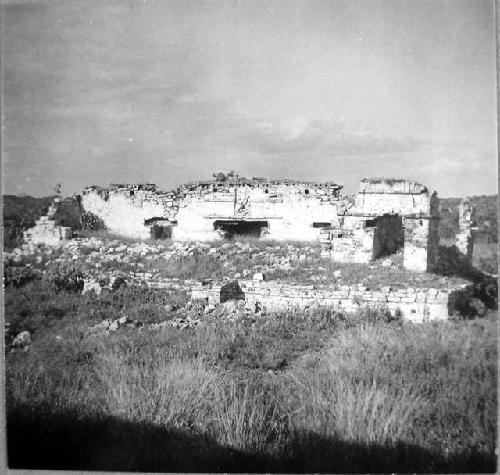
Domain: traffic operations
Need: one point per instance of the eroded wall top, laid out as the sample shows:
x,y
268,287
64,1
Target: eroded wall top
x,y
391,185
378,196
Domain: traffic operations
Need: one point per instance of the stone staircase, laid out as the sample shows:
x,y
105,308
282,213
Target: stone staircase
x,y
47,230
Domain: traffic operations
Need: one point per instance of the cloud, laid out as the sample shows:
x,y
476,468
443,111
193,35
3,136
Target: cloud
x,y
297,135
172,91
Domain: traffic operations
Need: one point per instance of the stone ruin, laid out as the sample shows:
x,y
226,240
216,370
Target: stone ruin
x,y
417,305
47,230
467,232
386,216
208,210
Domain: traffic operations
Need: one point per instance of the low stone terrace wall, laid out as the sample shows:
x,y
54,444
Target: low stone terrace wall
x,y
97,283
416,305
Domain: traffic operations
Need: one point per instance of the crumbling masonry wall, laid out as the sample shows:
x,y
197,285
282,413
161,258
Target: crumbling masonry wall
x,y
467,232
416,305
131,210
386,215
291,210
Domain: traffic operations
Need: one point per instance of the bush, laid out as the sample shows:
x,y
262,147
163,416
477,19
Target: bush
x,y
487,292
65,276
372,316
18,276
91,222
485,256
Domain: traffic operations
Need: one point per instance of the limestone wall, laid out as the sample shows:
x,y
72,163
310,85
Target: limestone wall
x,y
352,243
126,211
379,196
465,236
416,305
421,244
288,210
284,210
372,228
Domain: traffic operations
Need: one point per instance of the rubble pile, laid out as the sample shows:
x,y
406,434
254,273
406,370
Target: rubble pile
x,y
47,229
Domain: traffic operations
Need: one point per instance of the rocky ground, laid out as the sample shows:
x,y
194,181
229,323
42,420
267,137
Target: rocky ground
x,y
177,265
97,264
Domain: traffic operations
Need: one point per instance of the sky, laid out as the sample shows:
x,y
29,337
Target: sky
x,y
99,92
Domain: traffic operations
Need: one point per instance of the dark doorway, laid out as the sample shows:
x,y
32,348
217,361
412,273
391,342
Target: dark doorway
x,y
231,291
232,228
388,238
321,225
161,232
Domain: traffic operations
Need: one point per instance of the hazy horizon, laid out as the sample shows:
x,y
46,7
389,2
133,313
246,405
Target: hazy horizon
x,y
170,92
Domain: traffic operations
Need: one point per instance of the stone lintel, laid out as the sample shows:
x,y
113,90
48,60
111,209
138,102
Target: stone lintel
x,y
404,215
240,218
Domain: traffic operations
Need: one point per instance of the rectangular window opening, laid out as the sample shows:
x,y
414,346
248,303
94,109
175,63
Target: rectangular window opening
x,y
321,225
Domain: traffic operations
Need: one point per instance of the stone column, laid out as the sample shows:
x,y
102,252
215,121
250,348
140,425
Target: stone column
x,y
465,236
421,234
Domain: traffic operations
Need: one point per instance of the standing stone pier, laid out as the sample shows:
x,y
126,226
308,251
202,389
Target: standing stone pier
x,y
467,232
388,215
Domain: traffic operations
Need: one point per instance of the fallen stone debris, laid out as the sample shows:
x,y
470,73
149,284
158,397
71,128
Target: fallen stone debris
x,y
110,326
21,340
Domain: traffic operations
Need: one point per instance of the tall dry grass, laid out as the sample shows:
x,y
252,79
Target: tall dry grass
x,y
340,405
156,389
432,386
381,397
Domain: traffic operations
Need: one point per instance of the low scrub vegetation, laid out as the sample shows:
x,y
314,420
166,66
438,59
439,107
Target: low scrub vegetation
x,y
292,392
485,256
484,215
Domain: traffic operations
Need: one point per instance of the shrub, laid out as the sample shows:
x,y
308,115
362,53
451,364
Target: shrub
x,y
485,256
381,314
478,309
91,222
18,276
487,292
65,276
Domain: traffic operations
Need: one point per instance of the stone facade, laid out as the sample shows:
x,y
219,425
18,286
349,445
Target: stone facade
x,y
205,210
385,217
413,304
132,210
47,230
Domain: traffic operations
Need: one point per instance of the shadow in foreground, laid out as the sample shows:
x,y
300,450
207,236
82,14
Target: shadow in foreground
x,y
67,441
